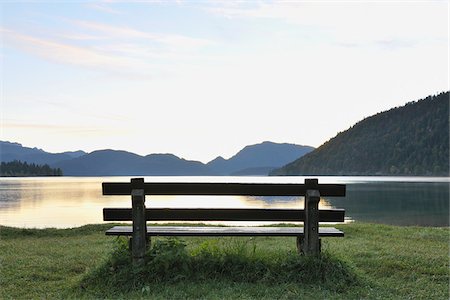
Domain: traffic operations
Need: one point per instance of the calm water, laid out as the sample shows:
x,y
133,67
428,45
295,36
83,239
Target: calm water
x,y
74,201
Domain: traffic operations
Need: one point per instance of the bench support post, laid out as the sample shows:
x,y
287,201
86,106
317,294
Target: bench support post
x,y
311,243
139,237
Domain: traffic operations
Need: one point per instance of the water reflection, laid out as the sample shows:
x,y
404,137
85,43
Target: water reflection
x,y
398,203
50,202
73,201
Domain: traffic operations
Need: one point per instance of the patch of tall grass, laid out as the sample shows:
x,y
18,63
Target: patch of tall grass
x,y
169,261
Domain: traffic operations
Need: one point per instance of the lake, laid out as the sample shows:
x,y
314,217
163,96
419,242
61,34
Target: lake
x,y
64,202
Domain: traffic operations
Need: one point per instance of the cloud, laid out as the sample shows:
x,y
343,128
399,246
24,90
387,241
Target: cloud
x,y
103,7
174,41
112,31
65,53
126,51
56,128
66,106
352,23
79,36
394,44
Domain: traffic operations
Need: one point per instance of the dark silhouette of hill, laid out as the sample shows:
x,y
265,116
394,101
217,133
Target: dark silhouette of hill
x,y
408,140
252,160
258,159
113,162
15,151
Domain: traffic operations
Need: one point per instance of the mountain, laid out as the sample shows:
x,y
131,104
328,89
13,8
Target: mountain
x,y
113,162
15,151
410,140
75,154
258,159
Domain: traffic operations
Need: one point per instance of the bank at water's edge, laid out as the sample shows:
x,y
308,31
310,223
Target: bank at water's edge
x,y
370,262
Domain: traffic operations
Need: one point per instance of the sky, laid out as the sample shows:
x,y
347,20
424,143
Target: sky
x,y
205,78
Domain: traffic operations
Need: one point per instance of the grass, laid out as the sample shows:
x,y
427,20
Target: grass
x,y
370,262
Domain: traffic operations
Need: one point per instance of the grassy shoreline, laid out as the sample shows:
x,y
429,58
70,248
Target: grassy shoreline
x,y
371,262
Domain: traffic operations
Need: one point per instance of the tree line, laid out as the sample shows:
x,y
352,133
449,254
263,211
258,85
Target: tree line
x,y
18,168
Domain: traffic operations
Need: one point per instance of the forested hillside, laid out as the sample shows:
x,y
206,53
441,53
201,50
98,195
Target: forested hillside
x,y
18,168
408,140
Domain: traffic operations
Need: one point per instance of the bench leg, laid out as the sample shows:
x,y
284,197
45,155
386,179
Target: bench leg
x,y
139,221
148,243
311,242
301,245
300,242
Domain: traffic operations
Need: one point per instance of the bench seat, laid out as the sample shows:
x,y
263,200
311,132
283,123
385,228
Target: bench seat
x,y
223,231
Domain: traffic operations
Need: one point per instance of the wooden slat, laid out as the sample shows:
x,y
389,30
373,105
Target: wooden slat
x,y
223,231
244,189
222,214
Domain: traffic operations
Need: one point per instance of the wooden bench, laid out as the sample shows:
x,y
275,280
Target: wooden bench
x,y
308,237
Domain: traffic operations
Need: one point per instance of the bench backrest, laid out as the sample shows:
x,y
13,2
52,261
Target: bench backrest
x,y
217,188
234,214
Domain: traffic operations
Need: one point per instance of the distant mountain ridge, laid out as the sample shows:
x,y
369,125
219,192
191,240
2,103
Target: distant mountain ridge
x,y
114,162
409,140
15,151
257,159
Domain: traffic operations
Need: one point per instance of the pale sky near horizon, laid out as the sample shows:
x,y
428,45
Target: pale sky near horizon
x,y
206,78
